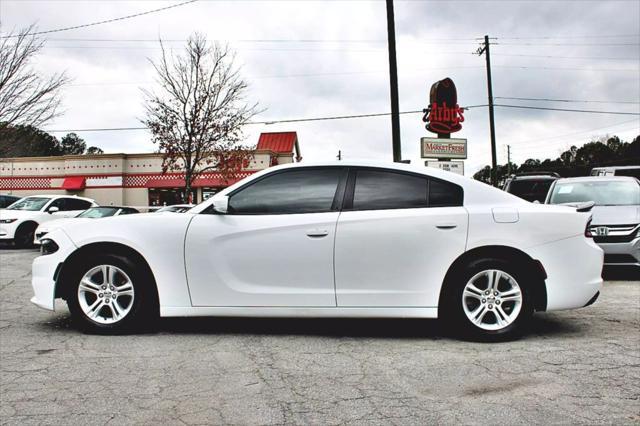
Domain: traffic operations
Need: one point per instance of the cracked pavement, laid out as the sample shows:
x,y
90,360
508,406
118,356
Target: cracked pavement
x,y
580,366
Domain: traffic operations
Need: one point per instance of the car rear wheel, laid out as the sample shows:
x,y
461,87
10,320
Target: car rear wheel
x,y
109,294
489,300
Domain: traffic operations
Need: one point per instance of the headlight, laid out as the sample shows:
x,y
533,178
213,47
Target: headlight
x,y
7,220
48,246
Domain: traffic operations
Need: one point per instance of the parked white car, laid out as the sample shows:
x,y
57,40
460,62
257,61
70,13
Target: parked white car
x,y
19,221
176,208
342,239
91,213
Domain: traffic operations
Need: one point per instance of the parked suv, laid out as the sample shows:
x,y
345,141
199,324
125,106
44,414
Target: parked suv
x,y
615,225
19,221
530,186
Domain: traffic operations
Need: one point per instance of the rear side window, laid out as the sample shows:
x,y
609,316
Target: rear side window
x,y
75,204
381,190
296,191
378,190
444,194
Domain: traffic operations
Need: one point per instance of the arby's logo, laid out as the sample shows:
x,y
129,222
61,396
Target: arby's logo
x,y
443,115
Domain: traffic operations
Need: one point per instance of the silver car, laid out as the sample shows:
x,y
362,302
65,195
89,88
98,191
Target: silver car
x,y
616,214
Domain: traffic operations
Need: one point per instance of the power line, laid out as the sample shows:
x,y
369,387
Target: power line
x,y
568,57
567,110
567,100
266,122
106,21
598,36
567,44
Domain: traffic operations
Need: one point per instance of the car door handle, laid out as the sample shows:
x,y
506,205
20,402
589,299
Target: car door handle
x,y
317,233
446,226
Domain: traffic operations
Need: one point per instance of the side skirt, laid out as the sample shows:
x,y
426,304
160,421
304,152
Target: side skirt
x,y
301,312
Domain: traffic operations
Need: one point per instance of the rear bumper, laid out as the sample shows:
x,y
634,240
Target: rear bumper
x,y
574,271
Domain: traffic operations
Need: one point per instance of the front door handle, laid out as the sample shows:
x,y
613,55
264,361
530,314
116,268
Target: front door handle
x,y
317,233
446,226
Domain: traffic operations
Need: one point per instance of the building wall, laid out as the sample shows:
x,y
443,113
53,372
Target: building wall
x,y
110,179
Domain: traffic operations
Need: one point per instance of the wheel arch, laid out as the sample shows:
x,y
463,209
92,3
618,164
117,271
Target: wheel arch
x,y
26,224
119,249
532,267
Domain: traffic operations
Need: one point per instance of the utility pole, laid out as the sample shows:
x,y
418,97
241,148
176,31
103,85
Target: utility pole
x,y
509,160
492,128
393,83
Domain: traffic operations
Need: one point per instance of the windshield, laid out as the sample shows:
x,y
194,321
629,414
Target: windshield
x,y
530,189
97,212
29,203
603,193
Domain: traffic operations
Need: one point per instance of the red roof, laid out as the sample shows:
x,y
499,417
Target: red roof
x,y
281,142
75,183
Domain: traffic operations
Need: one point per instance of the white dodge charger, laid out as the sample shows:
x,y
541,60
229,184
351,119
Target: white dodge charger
x,y
339,239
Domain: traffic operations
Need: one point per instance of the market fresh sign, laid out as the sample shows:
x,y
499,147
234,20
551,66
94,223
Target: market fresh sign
x,y
443,148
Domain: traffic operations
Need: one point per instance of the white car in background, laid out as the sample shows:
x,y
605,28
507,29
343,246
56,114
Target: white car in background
x,y
343,239
175,208
90,213
19,221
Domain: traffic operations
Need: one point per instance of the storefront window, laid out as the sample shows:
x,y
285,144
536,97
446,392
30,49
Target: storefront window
x,y
170,196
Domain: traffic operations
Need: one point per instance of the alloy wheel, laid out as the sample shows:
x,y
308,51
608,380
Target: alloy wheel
x,y
106,294
492,299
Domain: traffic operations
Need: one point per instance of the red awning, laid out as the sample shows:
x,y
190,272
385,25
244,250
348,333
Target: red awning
x,y
165,183
75,183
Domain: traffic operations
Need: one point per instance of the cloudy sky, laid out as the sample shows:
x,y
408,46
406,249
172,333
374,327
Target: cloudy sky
x,y
326,58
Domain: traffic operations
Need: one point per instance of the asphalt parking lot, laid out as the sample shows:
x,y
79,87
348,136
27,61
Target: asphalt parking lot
x,y
578,366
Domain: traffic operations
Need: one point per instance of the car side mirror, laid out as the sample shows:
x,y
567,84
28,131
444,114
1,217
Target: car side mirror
x,y
53,209
221,204
536,202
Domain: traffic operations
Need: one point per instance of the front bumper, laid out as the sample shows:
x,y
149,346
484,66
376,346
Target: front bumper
x,y
574,271
622,254
8,231
44,269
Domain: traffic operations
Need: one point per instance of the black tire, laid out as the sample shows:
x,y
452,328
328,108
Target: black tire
x,y
452,312
143,303
24,235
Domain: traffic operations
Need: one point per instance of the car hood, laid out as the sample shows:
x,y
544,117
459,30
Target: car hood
x,y
59,223
616,215
19,214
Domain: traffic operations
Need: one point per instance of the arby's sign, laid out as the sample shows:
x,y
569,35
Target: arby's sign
x,y
443,115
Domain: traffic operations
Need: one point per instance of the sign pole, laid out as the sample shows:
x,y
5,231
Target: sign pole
x,y
393,83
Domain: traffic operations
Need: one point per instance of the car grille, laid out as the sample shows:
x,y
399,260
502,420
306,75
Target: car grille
x,y
619,258
614,233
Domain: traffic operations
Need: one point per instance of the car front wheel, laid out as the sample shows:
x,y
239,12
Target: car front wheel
x,y
109,294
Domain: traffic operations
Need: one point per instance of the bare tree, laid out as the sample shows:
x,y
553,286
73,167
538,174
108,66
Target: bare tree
x,y
197,117
25,97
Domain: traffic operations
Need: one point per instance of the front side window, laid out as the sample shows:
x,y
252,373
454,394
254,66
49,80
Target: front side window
x,y
288,192
29,203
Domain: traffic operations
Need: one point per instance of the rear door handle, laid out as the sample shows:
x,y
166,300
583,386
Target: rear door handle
x,y
317,233
446,226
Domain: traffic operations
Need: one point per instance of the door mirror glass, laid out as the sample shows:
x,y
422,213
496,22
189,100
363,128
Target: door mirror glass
x,y
53,209
221,204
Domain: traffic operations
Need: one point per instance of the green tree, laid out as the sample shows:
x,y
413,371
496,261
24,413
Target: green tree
x,y
73,144
27,141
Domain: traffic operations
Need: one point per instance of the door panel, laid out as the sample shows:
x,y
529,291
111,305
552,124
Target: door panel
x,y
393,258
261,260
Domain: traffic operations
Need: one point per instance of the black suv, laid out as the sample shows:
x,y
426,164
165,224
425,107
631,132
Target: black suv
x,y
531,186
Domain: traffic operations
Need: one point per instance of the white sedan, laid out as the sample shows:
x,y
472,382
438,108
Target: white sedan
x,y
330,240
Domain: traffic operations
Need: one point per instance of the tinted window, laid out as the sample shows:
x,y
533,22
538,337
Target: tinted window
x,y
628,172
530,189
296,191
60,203
444,194
377,190
75,204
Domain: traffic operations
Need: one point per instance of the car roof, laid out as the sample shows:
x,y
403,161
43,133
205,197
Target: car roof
x,y
613,168
597,178
536,177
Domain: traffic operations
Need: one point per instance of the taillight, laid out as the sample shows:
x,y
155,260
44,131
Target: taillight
x,y
587,230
